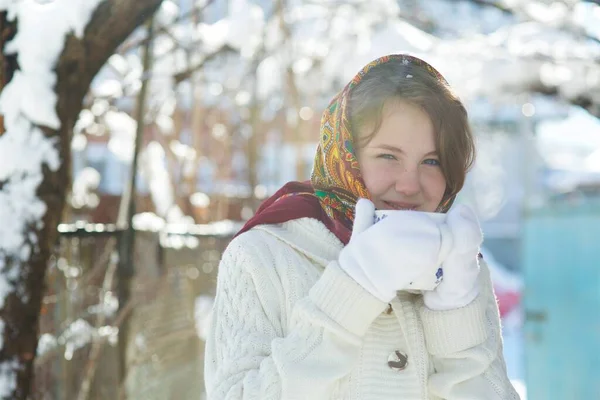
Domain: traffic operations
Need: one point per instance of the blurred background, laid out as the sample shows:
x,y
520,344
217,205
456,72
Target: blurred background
x,y
216,104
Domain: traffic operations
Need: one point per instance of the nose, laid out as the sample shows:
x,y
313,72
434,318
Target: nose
x,y
407,182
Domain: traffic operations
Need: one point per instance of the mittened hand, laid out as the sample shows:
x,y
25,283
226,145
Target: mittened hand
x,y
363,216
393,254
461,267
464,225
363,219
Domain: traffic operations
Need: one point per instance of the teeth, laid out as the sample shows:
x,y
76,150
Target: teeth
x,y
401,208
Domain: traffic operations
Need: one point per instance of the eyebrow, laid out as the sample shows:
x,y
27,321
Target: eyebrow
x,y
400,151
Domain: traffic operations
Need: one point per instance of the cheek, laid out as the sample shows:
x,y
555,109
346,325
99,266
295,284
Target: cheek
x,y
433,183
377,176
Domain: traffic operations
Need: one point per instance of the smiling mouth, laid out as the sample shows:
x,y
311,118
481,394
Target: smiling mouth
x,y
398,206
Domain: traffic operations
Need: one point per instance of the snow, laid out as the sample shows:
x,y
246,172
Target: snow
x,y
36,98
154,168
85,120
77,335
110,332
80,333
200,200
241,29
587,16
182,233
570,148
119,64
153,223
572,143
148,221
467,18
213,36
8,377
183,152
46,342
122,130
167,13
84,185
551,14
246,26
164,120
203,306
478,42
330,42
110,88
26,102
108,306
79,142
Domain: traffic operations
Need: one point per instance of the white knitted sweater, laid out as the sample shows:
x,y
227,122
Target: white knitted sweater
x,y
288,323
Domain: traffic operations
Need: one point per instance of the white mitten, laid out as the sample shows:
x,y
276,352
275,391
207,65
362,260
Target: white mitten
x,y
394,253
461,266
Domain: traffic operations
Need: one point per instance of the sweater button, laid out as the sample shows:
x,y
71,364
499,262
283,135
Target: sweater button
x,y
397,361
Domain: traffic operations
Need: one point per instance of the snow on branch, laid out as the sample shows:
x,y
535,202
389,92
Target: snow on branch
x,y
192,14
570,17
28,102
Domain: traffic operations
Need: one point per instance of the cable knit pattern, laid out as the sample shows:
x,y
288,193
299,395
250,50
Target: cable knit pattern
x,y
288,323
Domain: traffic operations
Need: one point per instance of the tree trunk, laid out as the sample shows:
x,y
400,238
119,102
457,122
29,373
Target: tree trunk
x,y
79,62
8,63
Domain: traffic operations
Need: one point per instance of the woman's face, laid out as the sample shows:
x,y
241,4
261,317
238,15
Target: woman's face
x,y
400,165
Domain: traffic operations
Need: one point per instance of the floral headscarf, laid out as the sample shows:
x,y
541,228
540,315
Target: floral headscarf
x,y
336,177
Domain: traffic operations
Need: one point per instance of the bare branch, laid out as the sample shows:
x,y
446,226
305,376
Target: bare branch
x,y
94,272
194,13
90,367
155,289
495,5
187,73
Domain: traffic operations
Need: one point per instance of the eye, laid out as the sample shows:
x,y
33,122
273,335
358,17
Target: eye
x,y
387,156
432,161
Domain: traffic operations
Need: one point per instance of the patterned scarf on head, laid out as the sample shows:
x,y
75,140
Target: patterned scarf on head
x,y
336,176
336,182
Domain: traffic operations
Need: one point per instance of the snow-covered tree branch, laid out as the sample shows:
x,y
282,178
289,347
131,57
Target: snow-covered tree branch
x,y
40,105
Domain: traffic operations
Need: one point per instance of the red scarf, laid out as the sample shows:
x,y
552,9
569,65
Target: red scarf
x,y
296,200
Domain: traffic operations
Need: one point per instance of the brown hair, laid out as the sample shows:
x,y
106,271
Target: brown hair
x,y
416,85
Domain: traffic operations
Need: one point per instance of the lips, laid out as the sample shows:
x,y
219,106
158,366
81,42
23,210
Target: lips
x,y
400,205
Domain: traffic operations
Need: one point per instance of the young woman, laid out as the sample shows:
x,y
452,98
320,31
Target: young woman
x,y
314,301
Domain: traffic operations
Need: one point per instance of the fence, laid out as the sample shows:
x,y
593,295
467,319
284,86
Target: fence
x,y
150,347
